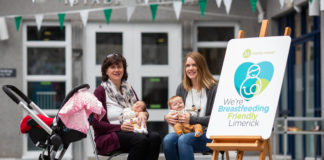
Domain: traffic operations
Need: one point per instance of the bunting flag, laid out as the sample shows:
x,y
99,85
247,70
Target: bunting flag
x,y
202,5
153,10
322,5
177,8
218,2
39,20
61,17
310,1
33,1
71,2
146,1
130,11
107,13
253,4
282,2
18,20
84,17
314,8
182,1
4,35
227,4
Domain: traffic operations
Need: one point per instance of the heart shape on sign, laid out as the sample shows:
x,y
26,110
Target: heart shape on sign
x,y
251,79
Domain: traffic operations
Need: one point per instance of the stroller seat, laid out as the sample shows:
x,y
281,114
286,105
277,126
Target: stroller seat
x,y
45,132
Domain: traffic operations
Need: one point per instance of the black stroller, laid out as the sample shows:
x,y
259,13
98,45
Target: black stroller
x,y
50,139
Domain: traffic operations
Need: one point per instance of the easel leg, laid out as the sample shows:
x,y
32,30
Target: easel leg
x,y
269,149
227,155
215,155
239,155
263,153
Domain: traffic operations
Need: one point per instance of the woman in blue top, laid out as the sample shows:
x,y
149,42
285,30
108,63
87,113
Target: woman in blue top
x,y
198,89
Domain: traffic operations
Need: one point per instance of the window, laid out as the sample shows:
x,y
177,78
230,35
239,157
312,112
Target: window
x,y
211,42
154,48
47,70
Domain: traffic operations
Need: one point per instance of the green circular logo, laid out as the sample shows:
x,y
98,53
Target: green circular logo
x,y
247,53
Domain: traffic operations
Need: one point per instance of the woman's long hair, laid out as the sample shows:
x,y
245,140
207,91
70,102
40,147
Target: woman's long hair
x,y
204,77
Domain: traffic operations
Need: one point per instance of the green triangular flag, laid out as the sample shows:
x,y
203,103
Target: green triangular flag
x,y
310,1
107,13
153,10
109,0
253,4
202,5
61,17
182,1
18,20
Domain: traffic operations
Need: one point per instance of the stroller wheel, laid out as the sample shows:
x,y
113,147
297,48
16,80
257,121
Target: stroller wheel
x,y
44,157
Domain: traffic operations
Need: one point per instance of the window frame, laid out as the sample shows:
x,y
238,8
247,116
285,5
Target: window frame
x,y
212,44
67,78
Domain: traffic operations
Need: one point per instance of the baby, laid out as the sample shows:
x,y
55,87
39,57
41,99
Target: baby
x,y
130,115
177,106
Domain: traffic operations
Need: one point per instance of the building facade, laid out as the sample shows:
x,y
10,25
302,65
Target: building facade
x,y
50,61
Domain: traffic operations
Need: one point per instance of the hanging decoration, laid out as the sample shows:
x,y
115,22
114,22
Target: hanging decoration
x,y
202,5
130,11
146,1
182,1
39,20
107,13
310,1
314,8
227,4
61,17
282,3
84,17
18,20
218,2
253,4
322,5
71,2
154,8
177,8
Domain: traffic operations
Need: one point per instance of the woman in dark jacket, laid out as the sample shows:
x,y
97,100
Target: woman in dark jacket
x,y
115,94
198,90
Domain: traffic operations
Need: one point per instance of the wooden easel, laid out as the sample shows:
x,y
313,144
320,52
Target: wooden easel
x,y
244,143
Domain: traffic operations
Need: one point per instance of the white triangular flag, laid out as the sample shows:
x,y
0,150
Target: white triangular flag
x,y
84,17
314,8
177,5
227,4
130,11
146,1
218,2
322,5
71,2
33,1
282,2
4,35
39,20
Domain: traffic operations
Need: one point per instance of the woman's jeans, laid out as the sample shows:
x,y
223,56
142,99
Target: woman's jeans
x,y
183,147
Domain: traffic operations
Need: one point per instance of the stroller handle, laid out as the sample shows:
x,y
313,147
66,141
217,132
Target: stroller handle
x,y
9,89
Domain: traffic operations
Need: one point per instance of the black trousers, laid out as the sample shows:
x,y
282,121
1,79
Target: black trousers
x,y
140,146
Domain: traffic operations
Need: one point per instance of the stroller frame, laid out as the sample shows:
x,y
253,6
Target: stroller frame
x,y
54,141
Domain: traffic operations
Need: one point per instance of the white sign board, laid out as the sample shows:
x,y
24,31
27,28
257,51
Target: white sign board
x,y
249,87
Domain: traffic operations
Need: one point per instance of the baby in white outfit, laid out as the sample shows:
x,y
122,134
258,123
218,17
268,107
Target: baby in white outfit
x,y
130,115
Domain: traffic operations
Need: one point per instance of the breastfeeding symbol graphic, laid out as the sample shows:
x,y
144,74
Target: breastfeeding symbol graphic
x,y
252,83
251,79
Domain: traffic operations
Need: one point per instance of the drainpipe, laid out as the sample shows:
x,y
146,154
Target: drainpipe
x,y
261,12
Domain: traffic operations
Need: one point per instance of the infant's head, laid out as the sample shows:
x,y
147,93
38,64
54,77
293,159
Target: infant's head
x,y
176,103
139,106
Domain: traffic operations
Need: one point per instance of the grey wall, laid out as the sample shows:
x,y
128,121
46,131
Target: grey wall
x,y
10,113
